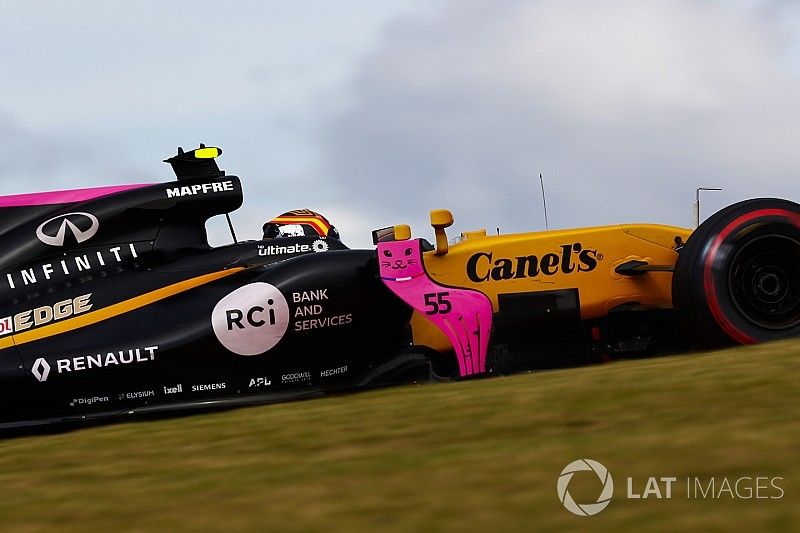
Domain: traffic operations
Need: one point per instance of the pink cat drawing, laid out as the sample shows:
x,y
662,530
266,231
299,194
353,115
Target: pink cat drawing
x,y
463,315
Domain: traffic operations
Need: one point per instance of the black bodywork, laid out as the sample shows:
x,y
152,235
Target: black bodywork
x,y
122,322
115,304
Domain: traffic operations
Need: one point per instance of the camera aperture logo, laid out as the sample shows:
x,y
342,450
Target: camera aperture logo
x,y
699,488
585,509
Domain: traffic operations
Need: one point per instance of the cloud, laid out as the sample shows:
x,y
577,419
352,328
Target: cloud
x,y
624,106
30,156
34,161
102,93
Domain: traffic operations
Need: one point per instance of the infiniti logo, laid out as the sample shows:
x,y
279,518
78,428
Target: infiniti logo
x,y
83,226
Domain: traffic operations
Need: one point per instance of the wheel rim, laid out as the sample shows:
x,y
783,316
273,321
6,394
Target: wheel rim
x,y
764,281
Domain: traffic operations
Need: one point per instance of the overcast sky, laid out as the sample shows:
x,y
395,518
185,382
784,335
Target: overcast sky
x,y
376,112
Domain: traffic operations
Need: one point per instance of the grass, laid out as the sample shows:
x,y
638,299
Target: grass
x,y
477,455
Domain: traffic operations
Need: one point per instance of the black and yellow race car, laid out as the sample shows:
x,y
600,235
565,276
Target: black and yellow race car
x,y
571,296
113,302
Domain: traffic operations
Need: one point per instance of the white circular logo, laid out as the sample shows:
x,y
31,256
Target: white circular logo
x,y
83,226
585,509
252,319
319,246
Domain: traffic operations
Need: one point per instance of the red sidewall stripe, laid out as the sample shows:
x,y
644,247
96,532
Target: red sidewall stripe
x,y
708,267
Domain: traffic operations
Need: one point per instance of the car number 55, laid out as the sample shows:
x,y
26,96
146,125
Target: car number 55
x,y
437,303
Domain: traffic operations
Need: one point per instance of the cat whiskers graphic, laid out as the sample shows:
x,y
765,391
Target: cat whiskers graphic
x,y
463,315
401,270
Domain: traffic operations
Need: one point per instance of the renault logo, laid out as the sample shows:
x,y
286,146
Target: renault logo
x,y
40,369
83,226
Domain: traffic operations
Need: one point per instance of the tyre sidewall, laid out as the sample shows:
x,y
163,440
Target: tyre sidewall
x,y
702,292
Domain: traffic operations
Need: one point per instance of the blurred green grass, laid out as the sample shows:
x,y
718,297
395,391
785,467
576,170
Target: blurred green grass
x,y
476,455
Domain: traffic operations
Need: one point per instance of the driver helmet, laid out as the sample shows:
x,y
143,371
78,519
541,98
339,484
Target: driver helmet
x,y
299,223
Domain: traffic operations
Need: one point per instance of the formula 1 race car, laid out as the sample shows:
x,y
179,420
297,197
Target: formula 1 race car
x,y
114,303
560,298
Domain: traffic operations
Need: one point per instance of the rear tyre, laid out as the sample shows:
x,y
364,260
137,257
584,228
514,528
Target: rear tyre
x,y
737,279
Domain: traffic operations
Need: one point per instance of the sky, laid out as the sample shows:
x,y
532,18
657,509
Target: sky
x,y
373,113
